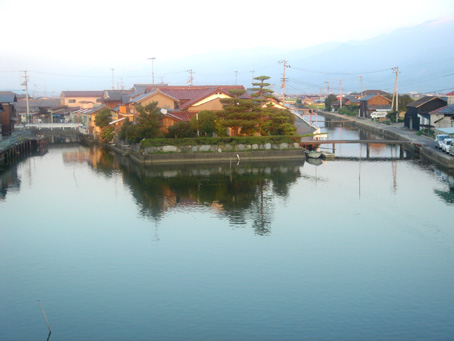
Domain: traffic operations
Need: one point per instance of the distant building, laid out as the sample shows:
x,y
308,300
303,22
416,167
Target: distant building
x,y
371,103
7,112
83,99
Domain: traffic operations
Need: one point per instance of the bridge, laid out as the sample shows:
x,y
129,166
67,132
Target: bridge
x,y
311,144
319,142
51,126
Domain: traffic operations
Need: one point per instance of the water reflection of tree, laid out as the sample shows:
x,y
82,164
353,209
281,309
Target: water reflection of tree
x,y
242,195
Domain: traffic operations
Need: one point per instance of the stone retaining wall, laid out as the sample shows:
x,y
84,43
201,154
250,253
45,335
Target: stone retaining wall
x,y
220,148
216,153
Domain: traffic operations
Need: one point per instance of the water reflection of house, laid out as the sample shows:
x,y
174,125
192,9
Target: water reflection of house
x,y
9,180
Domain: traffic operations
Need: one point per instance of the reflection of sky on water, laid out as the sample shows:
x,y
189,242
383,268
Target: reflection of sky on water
x,y
337,131
273,250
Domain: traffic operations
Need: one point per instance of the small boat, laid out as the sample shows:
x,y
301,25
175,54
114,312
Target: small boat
x,y
315,162
313,154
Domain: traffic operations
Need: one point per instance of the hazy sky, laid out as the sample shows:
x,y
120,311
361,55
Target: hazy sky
x,y
92,37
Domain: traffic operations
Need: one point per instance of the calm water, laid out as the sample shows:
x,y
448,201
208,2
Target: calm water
x,y
344,250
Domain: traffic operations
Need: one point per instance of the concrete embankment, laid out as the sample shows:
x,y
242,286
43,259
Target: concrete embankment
x,y
271,152
423,145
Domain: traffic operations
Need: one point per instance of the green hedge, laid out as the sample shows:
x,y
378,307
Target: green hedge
x,y
196,141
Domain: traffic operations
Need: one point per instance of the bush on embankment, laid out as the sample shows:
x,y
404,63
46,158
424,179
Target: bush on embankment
x,y
197,141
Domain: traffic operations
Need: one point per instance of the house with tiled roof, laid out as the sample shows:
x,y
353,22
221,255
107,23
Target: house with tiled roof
x,y
418,112
83,99
164,100
371,103
201,96
112,98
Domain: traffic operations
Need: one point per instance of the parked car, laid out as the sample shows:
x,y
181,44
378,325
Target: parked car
x,y
451,149
446,144
439,139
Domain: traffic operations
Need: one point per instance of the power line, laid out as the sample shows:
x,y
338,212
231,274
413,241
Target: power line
x,y
341,73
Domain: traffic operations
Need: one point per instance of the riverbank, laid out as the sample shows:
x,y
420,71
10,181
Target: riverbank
x,y
423,145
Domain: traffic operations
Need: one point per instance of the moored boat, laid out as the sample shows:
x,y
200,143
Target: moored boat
x,y
313,154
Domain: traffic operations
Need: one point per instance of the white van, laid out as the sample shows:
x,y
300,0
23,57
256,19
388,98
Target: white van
x,y
378,114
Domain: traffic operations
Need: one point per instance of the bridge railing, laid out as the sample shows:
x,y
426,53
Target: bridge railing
x,y
50,126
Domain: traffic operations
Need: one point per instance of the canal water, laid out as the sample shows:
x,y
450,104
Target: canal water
x,y
349,249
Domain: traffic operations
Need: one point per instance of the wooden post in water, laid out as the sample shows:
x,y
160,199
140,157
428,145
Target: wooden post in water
x,y
368,151
401,156
45,318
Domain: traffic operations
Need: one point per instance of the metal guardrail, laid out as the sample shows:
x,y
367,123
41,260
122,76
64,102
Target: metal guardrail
x,y
14,138
50,126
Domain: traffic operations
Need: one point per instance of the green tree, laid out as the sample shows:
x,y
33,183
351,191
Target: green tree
x,y
204,122
238,115
260,89
106,134
329,100
146,126
103,118
180,130
280,122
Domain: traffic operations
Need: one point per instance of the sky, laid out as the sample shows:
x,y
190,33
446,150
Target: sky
x,y
65,44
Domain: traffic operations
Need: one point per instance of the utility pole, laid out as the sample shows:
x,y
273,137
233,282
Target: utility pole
x,y
396,92
113,81
252,76
340,94
361,79
283,79
191,77
236,77
25,83
152,68
327,88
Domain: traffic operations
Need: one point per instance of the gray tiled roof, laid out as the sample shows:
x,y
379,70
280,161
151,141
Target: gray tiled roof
x,y
7,97
447,110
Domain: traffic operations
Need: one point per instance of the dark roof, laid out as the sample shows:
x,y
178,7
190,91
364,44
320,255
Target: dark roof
x,y
447,110
374,92
201,95
82,93
422,101
437,111
150,94
8,97
115,95
368,97
185,93
181,115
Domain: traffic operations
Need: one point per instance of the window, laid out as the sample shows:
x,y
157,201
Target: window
x,y
72,101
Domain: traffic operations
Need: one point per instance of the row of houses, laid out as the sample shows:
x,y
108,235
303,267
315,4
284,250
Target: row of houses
x,y
178,103
428,112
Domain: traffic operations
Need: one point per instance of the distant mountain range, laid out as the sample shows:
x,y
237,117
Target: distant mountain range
x,y
423,53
